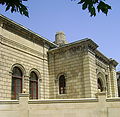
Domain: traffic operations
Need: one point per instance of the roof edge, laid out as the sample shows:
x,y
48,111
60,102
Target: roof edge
x,y
26,29
76,43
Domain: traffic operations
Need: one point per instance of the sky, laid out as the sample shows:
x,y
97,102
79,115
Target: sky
x,y
46,17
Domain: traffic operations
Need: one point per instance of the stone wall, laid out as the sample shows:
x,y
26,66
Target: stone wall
x,y
27,54
108,76
89,107
70,64
81,64
118,82
78,65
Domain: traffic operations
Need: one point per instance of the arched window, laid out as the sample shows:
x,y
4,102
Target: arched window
x,y
16,82
33,85
100,85
62,85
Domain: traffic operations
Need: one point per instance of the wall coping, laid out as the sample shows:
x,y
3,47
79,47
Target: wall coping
x,y
9,101
49,101
23,95
113,99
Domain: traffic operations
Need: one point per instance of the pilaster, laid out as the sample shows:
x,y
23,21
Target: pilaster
x,y
89,70
113,79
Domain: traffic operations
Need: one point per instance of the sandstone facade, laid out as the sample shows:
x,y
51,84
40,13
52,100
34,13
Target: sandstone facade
x,y
118,81
79,62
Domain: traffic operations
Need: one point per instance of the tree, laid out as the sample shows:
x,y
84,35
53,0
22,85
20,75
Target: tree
x,y
15,6
95,5
91,5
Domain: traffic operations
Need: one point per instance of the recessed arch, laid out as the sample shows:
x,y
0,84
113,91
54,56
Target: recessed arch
x,y
101,82
62,73
62,84
20,67
61,81
37,73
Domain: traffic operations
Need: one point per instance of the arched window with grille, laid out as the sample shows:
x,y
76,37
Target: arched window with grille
x,y
33,85
16,82
62,84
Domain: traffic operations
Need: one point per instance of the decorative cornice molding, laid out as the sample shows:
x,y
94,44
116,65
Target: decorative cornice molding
x,y
105,60
23,48
101,57
23,32
101,64
85,45
113,62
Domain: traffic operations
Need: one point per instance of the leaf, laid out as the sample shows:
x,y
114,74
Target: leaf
x,y
93,5
16,6
103,7
95,1
84,6
81,1
93,12
7,8
13,9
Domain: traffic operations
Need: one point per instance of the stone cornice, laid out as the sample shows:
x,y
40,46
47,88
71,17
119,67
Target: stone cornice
x,y
22,48
113,62
24,32
101,57
81,45
104,59
101,64
118,72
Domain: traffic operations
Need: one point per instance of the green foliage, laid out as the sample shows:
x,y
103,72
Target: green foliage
x,y
15,6
95,5
91,5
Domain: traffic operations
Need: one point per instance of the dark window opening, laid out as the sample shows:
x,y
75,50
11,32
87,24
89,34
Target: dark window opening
x,y
62,85
33,86
16,83
100,86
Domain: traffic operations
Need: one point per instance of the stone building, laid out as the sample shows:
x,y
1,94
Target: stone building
x,y
118,81
47,70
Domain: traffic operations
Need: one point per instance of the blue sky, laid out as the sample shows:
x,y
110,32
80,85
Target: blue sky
x,y
50,16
